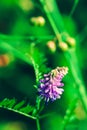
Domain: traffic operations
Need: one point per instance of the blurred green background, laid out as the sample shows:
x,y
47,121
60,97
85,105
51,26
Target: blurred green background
x,y
17,77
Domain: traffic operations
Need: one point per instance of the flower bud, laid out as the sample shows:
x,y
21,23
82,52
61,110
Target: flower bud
x,y
38,21
51,45
4,60
63,46
71,41
26,5
41,21
50,86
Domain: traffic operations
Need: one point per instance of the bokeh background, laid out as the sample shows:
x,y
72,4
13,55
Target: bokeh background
x,y
17,77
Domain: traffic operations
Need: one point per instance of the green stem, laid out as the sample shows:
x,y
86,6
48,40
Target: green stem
x,y
74,7
53,14
38,100
36,113
50,11
17,53
19,112
35,69
73,63
31,38
69,112
46,115
38,124
82,35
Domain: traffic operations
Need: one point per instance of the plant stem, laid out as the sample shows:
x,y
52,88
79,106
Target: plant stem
x,y
16,52
74,7
69,112
38,123
36,113
31,38
38,100
48,10
70,55
82,35
19,112
46,115
73,64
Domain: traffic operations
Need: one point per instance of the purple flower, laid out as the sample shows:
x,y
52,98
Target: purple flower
x,y
50,87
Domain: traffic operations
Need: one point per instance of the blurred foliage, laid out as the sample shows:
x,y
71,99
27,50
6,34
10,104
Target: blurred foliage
x,y
17,77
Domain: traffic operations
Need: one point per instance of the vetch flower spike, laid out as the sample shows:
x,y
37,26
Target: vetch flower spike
x,y
50,87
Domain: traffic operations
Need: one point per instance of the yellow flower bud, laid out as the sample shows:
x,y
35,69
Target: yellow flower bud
x,y
41,21
26,5
51,45
71,41
63,46
38,21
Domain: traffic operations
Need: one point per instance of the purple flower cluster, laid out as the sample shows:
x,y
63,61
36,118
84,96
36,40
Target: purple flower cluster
x,y
50,87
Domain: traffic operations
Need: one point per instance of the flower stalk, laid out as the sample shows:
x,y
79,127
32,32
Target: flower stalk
x,y
69,55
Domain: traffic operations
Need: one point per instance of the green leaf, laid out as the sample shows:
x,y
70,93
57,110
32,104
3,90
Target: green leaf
x,y
26,109
12,102
20,108
19,105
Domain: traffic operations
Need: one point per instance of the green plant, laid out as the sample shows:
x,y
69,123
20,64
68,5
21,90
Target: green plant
x,y
36,52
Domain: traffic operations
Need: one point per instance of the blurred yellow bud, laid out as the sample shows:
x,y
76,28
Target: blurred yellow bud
x,y
41,20
26,5
79,111
63,46
4,60
51,45
71,41
38,21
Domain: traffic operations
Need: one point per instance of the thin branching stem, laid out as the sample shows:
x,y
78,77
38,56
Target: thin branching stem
x,y
16,52
19,112
46,115
81,36
31,38
73,7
